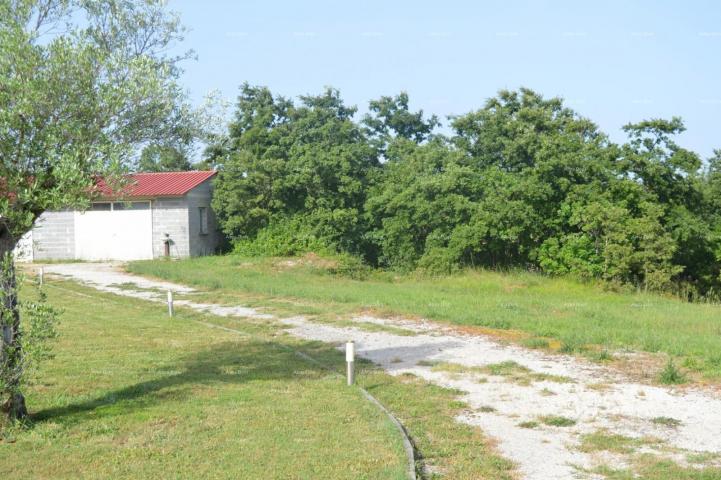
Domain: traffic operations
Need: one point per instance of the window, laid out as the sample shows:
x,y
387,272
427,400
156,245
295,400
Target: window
x,y
100,207
131,205
203,211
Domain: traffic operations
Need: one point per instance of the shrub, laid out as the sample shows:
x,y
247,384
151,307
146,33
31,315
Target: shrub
x,y
438,261
283,238
351,266
671,375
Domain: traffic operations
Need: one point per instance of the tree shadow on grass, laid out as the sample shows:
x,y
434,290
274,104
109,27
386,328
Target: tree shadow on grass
x,y
229,362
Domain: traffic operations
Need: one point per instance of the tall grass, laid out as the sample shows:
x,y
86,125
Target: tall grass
x,y
573,313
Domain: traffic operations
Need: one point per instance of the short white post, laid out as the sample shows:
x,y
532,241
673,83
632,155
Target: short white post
x,y
350,360
170,303
41,276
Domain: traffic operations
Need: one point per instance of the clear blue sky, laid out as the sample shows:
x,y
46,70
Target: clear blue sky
x,y
613,61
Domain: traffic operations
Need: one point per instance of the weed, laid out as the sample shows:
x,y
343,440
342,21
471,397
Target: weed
x,y
528,424
571,344
536,342
557,421
671,375
426,363
599,387
603,441
602,356
666,421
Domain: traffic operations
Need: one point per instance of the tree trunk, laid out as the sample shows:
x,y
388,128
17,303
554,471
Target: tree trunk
x,y
10,347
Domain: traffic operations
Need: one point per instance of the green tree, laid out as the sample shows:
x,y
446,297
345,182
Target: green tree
x,y
84,84
163,158
390,118
308,164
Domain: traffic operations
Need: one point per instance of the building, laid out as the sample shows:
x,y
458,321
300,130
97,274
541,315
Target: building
x,y
157,215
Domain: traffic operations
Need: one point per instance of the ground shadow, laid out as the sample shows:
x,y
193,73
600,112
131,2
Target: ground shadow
x,y
228,362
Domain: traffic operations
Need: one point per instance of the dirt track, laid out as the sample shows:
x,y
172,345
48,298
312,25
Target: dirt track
x,y
500,397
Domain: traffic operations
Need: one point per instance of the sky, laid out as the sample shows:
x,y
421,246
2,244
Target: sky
x,y
614,62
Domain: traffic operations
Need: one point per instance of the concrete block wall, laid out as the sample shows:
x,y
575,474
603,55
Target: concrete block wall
x,y
170,215
202,244
54,236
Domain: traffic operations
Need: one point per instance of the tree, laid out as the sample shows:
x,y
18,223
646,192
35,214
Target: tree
x,y
390,118
163,158
83,85
305,165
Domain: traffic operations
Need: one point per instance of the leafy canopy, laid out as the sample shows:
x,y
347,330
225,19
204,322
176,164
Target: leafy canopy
x,y
523,181
84,85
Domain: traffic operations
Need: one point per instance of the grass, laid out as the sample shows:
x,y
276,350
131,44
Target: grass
x,y
362,325
511,370
557,421
133,394
650,467
666,421
568,315
550,420
646,465
529,424
609,442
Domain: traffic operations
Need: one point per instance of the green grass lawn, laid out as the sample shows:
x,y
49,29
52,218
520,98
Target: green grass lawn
x,y
134,394
570,313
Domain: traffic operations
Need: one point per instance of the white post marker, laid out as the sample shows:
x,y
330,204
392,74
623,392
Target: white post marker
x,y
41,275
170,303
350,360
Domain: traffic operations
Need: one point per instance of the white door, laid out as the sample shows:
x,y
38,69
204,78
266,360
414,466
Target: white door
x,y
114,231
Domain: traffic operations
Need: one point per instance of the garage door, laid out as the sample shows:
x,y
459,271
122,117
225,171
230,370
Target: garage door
x,y
114,231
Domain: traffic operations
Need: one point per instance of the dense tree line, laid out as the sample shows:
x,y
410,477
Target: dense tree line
x,y
522,182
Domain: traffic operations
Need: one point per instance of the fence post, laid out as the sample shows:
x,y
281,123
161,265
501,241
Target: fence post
x,y
350,360
170,303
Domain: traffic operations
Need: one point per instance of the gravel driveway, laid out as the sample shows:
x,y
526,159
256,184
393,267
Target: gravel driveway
x,y
515,395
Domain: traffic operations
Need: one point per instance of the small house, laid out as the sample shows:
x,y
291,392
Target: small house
x,y
157,215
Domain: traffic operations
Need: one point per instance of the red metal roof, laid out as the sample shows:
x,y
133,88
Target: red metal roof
x,y
161,184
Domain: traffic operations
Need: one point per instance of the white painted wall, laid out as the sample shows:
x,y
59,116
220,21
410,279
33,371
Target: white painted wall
x,y
117,235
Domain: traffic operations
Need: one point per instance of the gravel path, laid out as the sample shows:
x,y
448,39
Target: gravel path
x,y
668,422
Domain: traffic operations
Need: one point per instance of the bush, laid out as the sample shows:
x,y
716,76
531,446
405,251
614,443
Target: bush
x,y
439,261
284,238
351,266
671,375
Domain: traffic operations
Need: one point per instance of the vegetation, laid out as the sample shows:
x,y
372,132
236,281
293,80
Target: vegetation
x,y
609,442
182,388
20,359
163,158
666,421
84,85
649,467
671,375
513,371
196,401
517,305
522,182
557,421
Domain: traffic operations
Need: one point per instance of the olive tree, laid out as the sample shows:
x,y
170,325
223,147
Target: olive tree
x,y
84,84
